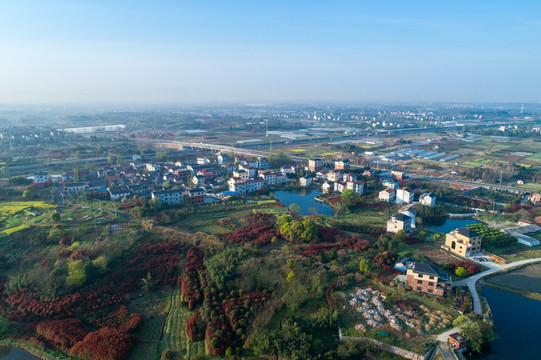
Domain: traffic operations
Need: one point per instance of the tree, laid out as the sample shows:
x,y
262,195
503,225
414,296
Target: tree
x,y
167,354
478,335
310,230
364,266
290,276
118,159
167,185
461,319
100,263
76,174
460,271
27,194
283,219
56,233
347,194
55,217
148,284
4,325
294,208
76,274
161,155
400,236
278,159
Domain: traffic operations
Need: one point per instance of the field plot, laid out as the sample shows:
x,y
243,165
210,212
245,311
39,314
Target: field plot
x,y
435,255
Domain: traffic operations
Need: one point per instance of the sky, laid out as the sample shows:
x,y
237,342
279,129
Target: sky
x,y
269,51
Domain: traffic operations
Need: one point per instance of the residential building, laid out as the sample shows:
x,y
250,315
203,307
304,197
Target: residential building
x,y
410,211
241,174
322,174
349,177
41,177
428,199
390,184
315,164
342,164
305,181
535,198
169,197
203,160
76,188
404,196
398,175
457,341
223,158
280,178
251,170
387,195
399,222
118,193
269,176
335,175
196,195
424,278
262,163
463,242
357,186
327,187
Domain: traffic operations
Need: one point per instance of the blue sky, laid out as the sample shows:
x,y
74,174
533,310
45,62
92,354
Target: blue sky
x,y
270,51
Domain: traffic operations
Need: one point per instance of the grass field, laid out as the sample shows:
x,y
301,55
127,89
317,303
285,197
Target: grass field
x,y
16,229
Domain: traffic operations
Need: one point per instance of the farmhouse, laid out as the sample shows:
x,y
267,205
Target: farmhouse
x,y
463,242
399,222
427,279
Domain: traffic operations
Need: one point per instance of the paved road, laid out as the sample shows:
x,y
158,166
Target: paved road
x,y
471,281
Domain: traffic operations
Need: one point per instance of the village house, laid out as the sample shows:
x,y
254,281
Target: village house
x,y
397,175
410,211
386,195
535,198
169,197
404,196
251,170
76,188
196,195
305,181
117,194
327,187
322,174
269,176
41,177
390,183
399,222
349,177
357,186
262,163
342,164
427,279
222,158
428,199
241,174
463,242
335,175
457,341
315,164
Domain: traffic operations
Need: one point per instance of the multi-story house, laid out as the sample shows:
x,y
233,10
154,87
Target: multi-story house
x,y
463,242
404,196
251,170
223,159
196,195
262,163
241,174
119,193
315,164
386,195
428,199
76,188
269,176
357,186
41,177
169,197
305,181
424,278
342,164
399,222
335,175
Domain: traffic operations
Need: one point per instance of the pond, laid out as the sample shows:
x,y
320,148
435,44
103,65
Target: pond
x,y
305,199
517,321
9,353
451,224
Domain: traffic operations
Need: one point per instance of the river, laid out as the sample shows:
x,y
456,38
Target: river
x,y
305,199
8,353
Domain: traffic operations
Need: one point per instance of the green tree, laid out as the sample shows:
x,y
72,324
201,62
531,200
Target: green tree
x,y
400,236
76,274
478,334
147,283
284,219
290,276
460,271
4,325
55,217
161,155
309,230
167,354
278,159
100,263
347,194
364,266
167,185
294,208
461,319
76,174
56,233
118,159
27,194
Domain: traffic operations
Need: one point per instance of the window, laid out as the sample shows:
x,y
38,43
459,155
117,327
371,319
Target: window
x,y
431,277
419,289
430,284
419,281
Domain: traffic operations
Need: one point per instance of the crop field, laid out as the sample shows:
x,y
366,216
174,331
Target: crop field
x,y
16,229
9,209
145,351
435,255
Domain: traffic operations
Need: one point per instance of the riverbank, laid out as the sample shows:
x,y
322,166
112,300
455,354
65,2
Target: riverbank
x,y
513,290
34,350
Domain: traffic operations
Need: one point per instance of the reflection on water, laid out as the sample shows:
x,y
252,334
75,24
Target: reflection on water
x,y
305,199
451,224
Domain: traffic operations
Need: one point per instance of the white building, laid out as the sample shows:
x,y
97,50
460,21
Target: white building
x,y
223,158
269,176
263,163
305,181
241,174
117,194
399,222
75,188
169,197
41,177
428,199
404,196
387,195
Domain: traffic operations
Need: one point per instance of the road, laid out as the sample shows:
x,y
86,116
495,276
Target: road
x,y
472,280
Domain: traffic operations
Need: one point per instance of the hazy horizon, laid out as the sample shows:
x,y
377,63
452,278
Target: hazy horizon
x,y
211,52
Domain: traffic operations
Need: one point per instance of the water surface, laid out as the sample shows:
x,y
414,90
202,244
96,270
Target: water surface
x,y
305,199
451,224
9,353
